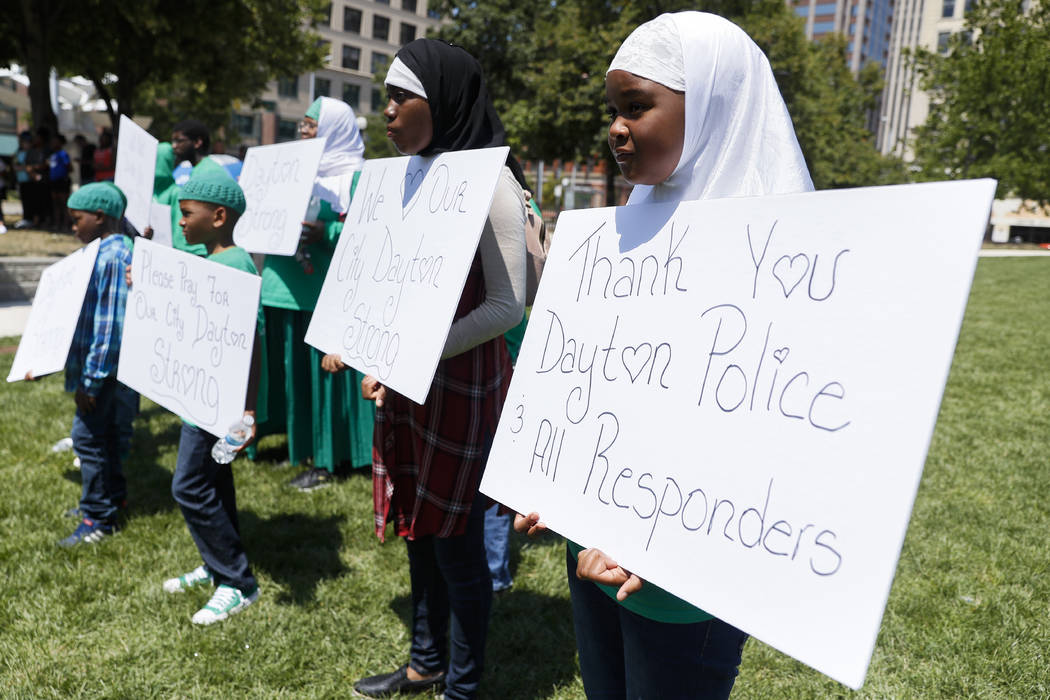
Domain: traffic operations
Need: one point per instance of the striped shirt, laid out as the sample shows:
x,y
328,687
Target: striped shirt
x,y
96,343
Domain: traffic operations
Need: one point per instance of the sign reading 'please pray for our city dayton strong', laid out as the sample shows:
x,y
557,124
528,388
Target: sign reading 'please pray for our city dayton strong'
x,y
401,262
734,398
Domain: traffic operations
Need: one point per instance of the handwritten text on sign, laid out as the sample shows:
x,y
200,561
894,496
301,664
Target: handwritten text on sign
x,y
277,181
734,398
189,329
402,260
53,318
136,165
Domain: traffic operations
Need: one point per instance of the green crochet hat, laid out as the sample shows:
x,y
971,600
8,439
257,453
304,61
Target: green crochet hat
x,y
315,110
214,186
97,196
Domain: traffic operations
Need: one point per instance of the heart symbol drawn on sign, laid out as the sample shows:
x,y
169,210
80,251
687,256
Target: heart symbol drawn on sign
x,y
410,187
635,353
790,272
781,354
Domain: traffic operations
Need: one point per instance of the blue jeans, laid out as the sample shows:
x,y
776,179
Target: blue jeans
x,y
96,442
127,410
497,548
204,491
450,578
625,655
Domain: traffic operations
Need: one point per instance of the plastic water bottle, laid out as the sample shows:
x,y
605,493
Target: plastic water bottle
x,y
225,449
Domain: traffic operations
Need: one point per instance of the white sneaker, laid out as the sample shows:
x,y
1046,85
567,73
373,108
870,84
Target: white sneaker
x,y
197,577
226,601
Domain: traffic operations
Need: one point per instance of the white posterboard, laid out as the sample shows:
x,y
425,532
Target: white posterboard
x,y
136,166
734,398
401,262
160,220
277,181
53,318
189,329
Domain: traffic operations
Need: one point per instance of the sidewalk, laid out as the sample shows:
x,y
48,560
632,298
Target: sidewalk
x,y
13,317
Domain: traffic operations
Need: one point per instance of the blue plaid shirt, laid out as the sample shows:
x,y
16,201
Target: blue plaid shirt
x,y
96,343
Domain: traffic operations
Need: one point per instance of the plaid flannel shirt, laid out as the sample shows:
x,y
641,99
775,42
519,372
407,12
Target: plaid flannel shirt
x,y
96,342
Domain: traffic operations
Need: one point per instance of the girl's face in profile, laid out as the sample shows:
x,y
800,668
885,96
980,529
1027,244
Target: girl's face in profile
x,y
408,122
648,127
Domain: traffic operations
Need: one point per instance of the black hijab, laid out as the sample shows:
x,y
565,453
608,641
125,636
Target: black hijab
x,y
460,107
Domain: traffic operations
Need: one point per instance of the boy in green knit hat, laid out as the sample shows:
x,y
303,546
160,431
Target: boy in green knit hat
x,y
210,204
91,366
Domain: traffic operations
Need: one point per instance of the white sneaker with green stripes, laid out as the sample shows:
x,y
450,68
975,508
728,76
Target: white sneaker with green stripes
x,y
226,601
197,577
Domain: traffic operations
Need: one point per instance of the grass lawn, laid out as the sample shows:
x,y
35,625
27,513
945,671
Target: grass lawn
x,y
967,617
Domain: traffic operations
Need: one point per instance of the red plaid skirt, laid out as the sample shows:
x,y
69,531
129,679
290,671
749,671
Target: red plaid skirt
x,y
427,460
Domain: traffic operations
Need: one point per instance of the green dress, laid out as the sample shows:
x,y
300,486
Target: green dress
x,y
323,414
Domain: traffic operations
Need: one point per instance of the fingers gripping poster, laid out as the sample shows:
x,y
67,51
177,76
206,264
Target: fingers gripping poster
x,y
189,330
401,262
734,398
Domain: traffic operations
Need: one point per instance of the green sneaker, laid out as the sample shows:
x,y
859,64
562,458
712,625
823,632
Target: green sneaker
x,y
197,577
226,601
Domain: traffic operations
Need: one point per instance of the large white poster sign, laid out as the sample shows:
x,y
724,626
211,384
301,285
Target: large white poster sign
x,y
401,262
277,181
734,398
160,220
53,318
136,165
189,329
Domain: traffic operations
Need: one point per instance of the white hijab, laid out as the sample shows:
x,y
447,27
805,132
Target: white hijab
x,y
343,153
739,140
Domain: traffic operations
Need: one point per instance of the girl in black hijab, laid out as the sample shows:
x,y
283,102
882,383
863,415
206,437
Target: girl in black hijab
x,y
428,459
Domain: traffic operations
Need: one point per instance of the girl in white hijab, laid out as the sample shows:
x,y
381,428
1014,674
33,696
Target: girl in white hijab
x,y
323,415
695,114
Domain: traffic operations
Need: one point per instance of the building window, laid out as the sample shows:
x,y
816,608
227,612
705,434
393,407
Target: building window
x,y
379,61
322,87
825,9
408,5
433,14
408,32
382,2
288,87
351,57
351,20
352,95
328,15
380,27
287,130
948,9
378,100
244,124
942,42
802,11
968,5
823,27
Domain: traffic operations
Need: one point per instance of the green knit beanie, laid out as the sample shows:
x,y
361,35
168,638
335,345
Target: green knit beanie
x,y
315,110
214,186
96,196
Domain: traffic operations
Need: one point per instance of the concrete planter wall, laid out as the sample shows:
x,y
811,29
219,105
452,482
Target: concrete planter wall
x,y
19,277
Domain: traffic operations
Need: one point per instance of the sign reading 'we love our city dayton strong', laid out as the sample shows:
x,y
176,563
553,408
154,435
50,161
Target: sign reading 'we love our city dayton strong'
x,y
734,398
401,262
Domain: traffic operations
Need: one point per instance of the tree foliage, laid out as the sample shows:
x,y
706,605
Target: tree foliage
x,y
168,60
545,64
989,111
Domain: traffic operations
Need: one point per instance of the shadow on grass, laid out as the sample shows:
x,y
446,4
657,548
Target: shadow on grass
x,y
297,551
531,644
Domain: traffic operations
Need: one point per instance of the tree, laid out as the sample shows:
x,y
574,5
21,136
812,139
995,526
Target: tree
x,y
164,59
989,113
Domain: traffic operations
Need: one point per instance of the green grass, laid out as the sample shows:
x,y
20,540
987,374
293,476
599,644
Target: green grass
x,y
967,617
